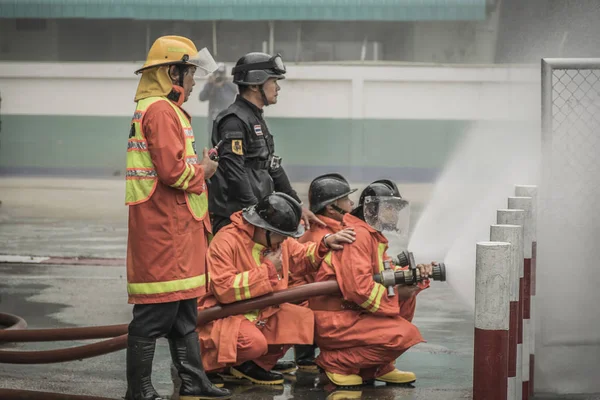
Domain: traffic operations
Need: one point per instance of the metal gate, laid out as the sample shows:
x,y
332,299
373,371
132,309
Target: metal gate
x,y
568,276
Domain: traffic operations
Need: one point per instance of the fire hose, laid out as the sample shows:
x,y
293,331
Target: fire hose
x,y
16,333
13,322
292,295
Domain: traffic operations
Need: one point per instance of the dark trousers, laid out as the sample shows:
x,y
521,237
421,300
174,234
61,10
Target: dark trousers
x,y
174,320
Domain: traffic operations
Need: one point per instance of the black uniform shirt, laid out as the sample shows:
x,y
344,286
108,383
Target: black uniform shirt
x,y
245,173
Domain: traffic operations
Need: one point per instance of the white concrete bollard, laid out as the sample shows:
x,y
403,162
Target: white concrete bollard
x,y
515,217
525,204
512,234
492,294
531,191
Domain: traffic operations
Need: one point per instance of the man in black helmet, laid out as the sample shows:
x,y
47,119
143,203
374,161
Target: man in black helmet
x,y
253,256
248,168
328,199
362,331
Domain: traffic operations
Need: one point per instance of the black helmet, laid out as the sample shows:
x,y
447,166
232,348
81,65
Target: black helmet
x,y
382,187
278,213
256,68
326,189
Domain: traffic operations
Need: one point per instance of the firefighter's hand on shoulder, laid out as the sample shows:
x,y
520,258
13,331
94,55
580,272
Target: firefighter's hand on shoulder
x,y
308,217
210,166
275,258
336,241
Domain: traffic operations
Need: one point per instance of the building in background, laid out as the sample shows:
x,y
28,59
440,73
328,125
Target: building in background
x,y
392,86
452,31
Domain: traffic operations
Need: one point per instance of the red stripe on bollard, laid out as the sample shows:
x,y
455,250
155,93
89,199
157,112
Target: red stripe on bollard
x,y
512,338
533,267
489,367
526,289
520,317
526,299
532,290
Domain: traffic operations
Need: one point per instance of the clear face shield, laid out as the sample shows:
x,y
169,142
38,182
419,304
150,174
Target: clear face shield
x,y
203,61
389,215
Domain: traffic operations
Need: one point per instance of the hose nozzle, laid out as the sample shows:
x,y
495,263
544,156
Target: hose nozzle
x,y
410,276
439,272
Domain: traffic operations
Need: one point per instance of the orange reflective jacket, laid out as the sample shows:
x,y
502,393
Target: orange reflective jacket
x,y
166,246
239,271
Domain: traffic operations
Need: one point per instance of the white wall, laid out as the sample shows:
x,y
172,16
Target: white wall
x,y
394,91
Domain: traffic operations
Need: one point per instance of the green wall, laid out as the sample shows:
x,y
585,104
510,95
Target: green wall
x,y
407,150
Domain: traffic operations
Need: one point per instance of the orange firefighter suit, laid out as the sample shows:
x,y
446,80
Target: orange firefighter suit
x,y
315,235
362,331
238,271
166,243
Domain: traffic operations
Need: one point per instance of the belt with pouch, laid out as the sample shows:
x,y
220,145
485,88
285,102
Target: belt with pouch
x,y
272,163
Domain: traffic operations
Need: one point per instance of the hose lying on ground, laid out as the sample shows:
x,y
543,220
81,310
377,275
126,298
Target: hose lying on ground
x,y
13,322
14,394
295,294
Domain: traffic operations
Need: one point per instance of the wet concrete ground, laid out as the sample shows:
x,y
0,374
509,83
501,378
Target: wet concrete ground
x,y
60,296
86,218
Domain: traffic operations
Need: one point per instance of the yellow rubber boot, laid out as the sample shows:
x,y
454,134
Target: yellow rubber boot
x,y
345,395
344,380
397,376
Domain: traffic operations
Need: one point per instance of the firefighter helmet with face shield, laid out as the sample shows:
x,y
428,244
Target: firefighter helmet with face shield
x,y
178,50
383,208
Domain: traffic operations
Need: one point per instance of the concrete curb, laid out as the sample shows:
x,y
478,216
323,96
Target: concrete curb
x,y
107,262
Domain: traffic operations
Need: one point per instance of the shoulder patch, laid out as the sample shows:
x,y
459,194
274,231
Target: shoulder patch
x,y
236,147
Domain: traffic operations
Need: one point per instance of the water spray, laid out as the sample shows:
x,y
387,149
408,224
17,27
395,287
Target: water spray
x,y
410,276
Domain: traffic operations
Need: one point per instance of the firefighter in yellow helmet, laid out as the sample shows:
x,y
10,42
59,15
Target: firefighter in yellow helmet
x,y
168,221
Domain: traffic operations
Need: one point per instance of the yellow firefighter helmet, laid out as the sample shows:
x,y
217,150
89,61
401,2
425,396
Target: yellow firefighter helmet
x,y
170,50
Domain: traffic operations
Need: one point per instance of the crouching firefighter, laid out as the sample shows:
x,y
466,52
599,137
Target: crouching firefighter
x,y
253,256
361,332
328,199
168,222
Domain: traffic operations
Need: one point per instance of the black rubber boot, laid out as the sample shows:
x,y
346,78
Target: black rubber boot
x,y
195,385
140,353
255,374
216,379
284,367
305,357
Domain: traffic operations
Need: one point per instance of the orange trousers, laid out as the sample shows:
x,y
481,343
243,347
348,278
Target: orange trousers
x,y
407,308
252,346
368,361
362,344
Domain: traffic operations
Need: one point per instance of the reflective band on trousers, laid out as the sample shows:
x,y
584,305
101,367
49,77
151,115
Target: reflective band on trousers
x,y
166,287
